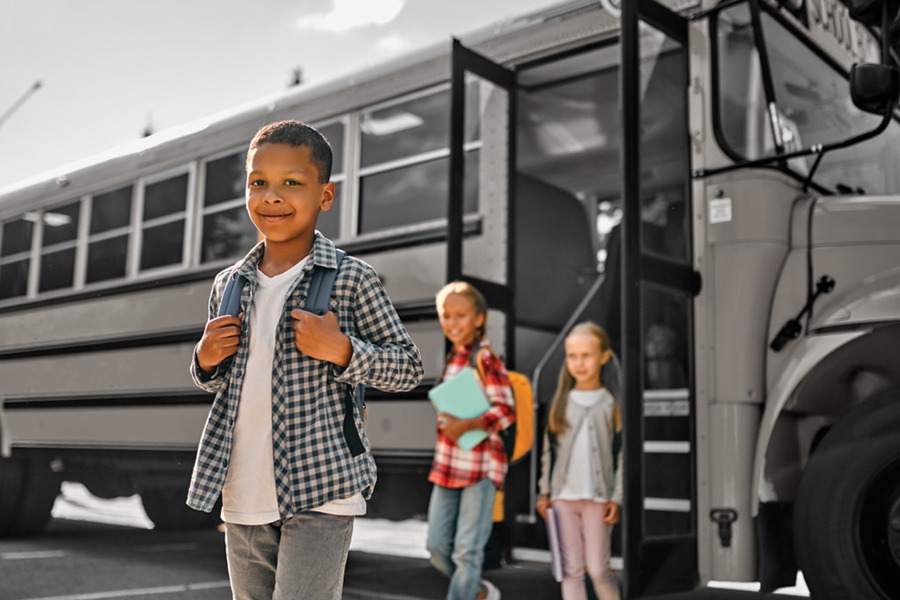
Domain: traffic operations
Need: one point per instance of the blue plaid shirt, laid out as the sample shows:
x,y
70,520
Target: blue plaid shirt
x,y
312,462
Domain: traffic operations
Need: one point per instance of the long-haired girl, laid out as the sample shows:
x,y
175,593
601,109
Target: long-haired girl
x,y
460,513
581,474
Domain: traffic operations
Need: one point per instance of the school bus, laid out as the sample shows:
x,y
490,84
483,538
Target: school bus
x,y
715,183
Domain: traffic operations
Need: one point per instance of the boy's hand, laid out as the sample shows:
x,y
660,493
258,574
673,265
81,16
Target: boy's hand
x,y
543,504
321,337
611,513
220,340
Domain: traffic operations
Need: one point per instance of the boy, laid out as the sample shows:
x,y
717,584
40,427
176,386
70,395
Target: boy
x,y
276,444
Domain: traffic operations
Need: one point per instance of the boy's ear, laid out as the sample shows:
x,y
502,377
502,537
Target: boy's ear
x,y
327,196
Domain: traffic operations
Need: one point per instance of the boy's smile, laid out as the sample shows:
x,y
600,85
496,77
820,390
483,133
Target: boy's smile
x,y
284,197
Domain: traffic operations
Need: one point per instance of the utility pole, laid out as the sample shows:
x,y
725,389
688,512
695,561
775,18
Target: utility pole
x,y
18,103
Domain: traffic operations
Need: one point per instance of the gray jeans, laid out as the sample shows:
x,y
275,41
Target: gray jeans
x,y
302,558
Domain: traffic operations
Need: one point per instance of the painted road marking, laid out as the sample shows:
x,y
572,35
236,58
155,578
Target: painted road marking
x,y
169,589
32,555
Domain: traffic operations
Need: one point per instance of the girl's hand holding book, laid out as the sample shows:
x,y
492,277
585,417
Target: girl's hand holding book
x,y
453,428
543,504
611,513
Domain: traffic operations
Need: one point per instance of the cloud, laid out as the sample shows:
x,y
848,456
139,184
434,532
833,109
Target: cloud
x,y
348,14
393,43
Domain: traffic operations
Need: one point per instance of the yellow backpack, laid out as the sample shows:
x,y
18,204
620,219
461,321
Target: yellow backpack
x,y
518,438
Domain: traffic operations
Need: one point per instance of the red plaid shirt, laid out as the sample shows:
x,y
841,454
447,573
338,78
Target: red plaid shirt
x,y
454,467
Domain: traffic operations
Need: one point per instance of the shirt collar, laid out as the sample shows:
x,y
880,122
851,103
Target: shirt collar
x,y
323,253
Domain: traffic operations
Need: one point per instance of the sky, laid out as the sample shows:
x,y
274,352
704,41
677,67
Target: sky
x,y
108,69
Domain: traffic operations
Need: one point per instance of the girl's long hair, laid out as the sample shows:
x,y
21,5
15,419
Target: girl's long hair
x,y
557,423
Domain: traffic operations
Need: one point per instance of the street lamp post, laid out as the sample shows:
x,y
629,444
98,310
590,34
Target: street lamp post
x,y
18,103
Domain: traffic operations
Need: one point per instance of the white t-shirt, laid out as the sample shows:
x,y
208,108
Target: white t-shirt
x,y
249,496
581,480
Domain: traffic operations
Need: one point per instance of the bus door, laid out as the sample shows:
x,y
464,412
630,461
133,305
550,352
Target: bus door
x,y
480,215
659,526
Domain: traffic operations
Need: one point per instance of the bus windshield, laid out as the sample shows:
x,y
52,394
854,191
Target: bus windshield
x,y
813,105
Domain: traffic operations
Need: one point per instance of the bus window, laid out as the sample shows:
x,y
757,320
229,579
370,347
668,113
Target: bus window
x,y
567,192
228,232
109,233
329,223
164,215
813,107
404,161
15,248
59,238
664,147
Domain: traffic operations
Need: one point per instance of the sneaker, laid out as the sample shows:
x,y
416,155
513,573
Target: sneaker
x,y
491,591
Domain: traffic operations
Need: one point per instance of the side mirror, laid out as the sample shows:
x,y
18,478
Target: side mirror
x,y
874,88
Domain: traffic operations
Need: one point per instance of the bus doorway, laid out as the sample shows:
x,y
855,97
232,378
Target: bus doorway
x,y
569,210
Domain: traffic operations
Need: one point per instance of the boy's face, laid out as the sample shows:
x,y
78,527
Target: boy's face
x,y
284,195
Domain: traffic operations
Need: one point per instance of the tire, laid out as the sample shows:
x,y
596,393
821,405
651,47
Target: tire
x,y
166,508
29,490
848,499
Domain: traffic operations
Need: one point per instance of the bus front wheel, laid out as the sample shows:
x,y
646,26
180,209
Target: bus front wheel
x,y
847,512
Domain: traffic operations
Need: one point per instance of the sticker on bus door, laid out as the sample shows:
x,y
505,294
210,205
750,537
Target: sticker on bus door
x,y
719,210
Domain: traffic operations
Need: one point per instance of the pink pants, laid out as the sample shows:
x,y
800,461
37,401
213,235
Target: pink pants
x,y
584,538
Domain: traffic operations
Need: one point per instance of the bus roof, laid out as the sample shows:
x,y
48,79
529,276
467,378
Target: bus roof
x,y
21,193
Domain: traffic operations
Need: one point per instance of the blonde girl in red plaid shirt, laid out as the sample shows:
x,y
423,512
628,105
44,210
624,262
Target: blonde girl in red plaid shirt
x,y
460,513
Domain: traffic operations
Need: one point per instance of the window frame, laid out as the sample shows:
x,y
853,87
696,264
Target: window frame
x,y
140,225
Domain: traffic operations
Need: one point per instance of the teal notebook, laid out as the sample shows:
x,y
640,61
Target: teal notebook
x,y
463,398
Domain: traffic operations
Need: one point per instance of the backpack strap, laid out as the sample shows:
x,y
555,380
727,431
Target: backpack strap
x,y
508,435
231,297
321,284
230,304
476,359
317,299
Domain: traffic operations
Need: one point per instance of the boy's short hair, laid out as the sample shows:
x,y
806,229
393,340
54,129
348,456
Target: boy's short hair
x,y
296,133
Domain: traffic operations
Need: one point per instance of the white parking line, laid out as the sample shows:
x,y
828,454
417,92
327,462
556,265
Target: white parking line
x,y
185,547
169,589
32,555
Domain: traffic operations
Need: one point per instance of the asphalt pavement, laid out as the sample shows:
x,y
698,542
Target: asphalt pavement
x,y
372,576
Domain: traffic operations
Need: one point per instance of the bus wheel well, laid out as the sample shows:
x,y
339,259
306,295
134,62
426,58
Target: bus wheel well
x,y
846,502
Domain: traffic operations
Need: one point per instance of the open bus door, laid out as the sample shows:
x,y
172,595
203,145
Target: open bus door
x,y
483,91
659,520
482,182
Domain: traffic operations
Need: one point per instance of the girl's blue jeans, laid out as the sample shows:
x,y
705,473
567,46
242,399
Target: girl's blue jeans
x,y
459,524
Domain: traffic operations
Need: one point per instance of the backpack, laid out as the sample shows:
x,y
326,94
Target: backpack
x,y
518,438
317,298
